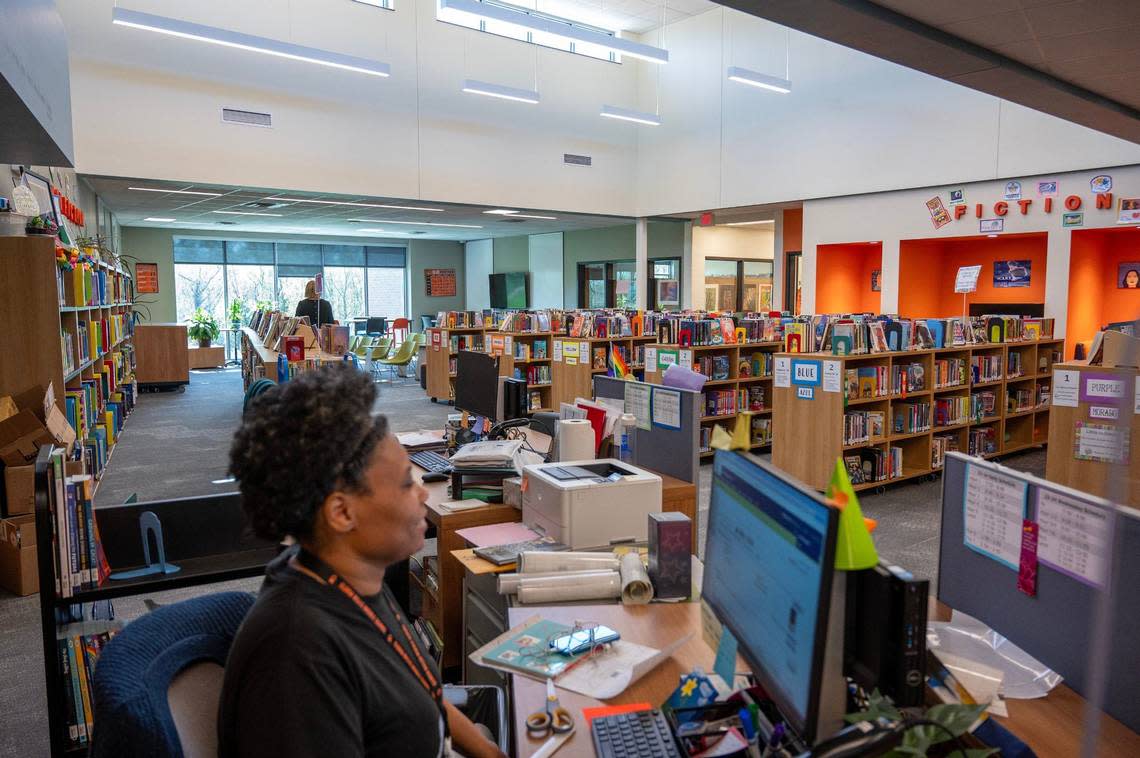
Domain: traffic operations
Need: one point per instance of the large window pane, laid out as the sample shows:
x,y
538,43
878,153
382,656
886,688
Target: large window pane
x,y
199,285
386,292
292,253
593,292
290,291
757,286
194,250
344,289
720,285
625,284
250,286
241,251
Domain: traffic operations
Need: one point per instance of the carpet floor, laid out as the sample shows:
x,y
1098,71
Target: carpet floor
x,y
176,444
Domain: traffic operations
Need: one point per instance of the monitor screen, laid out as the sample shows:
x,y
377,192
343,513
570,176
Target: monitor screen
x,y
510,290
477,383
768,566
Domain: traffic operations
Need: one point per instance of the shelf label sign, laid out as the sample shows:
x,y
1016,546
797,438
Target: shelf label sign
x,y
783,372
1102,388
805,372
832,376
1065,384
805,393
967,279
1104,412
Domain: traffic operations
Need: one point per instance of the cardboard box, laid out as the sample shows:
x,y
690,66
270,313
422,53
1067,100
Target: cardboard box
x,y
18,570
20,489
38,422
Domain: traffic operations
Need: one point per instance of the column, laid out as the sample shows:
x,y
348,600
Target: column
x,y
641,254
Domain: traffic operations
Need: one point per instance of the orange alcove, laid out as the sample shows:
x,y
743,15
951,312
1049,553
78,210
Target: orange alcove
x,y
843,277
1098,260
927,269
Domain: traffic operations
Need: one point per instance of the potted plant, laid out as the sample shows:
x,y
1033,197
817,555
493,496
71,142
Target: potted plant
x,y
203,327
235,314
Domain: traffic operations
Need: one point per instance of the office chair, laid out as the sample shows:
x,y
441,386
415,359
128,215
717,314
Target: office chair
x,y
376,326
158,682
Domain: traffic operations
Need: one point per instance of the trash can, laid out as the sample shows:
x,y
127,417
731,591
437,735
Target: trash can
x,y
484,704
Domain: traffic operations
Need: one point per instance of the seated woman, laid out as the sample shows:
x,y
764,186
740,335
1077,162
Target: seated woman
x,y
326,664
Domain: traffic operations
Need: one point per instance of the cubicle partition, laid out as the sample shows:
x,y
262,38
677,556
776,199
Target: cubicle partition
x,y
667,450
1079,538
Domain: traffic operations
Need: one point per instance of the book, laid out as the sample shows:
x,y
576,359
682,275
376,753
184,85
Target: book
x,y
501,555
527,651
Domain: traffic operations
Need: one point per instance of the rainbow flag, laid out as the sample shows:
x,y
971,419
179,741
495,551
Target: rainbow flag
x,y
618,366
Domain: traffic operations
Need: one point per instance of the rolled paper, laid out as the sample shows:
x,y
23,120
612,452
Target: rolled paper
x,y
575,440
508,584
636,589
537,560
560,589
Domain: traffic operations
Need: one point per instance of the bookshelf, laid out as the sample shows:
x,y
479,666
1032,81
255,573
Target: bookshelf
x,y
740,378
74,330
443,345
1003,410
203,535
258,361
574,380
526,355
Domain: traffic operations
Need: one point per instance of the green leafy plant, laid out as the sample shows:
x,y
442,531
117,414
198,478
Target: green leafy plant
x,y
235,311
203,327
940,723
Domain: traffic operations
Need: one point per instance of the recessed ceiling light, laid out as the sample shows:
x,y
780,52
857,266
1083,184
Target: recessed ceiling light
x,y
228,38
756,79
410,223
625,114
247,213
175,192
356,205
991,236
751,223
497,90
516,214
159,220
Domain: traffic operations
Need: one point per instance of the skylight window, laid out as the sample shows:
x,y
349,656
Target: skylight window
x,y
522,34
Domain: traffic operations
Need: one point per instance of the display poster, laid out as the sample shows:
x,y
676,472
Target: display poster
x,y
1070,220
991,225
1127,275
556,354
1012,190
1009,274
1101,442
832,376
435,340
957,197
1066,385
782,372
1047,188
665,359
967,279
1073,536
666,408
146,278
439,282
939,216
1128,211
638,402
994,508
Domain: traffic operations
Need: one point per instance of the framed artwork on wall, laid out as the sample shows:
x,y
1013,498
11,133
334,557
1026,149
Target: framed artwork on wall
x,y
146,278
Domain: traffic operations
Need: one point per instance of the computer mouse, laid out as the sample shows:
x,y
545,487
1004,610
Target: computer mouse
x,y
435,476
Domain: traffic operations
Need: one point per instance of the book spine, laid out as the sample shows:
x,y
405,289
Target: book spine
x,y
63,528
77,527
76,696
68,693
94,578
85,668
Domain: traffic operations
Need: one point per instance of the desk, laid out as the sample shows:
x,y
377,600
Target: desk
x,y
654,625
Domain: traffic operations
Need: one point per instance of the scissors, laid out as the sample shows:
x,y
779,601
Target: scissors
x,y
554,718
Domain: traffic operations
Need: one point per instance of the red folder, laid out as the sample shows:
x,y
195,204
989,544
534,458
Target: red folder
x,y
597,419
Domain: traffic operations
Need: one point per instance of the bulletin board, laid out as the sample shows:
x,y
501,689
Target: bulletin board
x,y
439,282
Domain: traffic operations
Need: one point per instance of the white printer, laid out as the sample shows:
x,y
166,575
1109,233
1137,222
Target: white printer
x,y
594,503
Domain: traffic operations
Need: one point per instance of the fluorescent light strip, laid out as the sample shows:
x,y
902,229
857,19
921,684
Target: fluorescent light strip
x,y
625,114
227,38
175,192
756,79
564,28
355,205
380,231
497,90
751,223
160,220
516,214
247,213
412,223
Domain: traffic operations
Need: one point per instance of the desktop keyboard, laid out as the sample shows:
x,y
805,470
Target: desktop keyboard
x,y
429,461
642,734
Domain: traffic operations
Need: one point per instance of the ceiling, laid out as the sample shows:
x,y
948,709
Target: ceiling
x,y
1075,59
637,16
225,209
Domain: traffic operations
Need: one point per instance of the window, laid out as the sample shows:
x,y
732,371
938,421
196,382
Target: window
x,y
359,280
738,285
625,284
721,281
611,284
665,284
522,34
757,294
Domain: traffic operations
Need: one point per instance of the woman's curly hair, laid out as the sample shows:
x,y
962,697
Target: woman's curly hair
x,y
300,441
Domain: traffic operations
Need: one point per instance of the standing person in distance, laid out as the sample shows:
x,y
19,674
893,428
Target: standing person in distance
x,y
318,309
326,663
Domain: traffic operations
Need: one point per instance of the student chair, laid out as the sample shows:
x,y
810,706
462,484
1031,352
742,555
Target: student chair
x,y
378,351
400,359
426,322
376,326
398,331
157,686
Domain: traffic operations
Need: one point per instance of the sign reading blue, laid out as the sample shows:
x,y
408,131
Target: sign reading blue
x,y
805,372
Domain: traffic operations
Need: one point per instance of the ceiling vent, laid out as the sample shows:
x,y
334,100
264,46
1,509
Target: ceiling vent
x,y
509,220
577,160
246,118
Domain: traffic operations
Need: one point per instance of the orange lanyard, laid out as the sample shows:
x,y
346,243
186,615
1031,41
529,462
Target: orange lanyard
x,y
316,567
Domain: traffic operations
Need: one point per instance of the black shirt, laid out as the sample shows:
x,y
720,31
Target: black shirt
x,y
310,675
318,311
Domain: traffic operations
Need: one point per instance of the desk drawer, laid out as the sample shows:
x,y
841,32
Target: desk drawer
x,y
476,674
485,587
482,621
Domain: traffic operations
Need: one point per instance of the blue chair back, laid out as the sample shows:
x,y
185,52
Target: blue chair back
x,y
135,670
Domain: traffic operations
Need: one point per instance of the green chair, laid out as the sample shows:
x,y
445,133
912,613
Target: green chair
x,y
400,359
378,350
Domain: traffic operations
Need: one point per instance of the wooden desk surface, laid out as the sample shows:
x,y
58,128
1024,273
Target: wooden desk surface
x,y
654,625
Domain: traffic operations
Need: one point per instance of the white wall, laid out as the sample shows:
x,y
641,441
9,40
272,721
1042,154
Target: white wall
x,y
725,242
480,265
852,124
895,216
544,254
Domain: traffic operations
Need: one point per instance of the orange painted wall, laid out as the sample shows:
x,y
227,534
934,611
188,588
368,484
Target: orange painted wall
x,y
793,229
843,278
927,269
1094,298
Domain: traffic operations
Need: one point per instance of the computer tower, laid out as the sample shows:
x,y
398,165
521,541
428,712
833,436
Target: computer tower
x,y
512,399
885,640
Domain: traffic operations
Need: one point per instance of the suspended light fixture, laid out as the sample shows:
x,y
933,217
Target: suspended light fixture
x,y
625,114
756,79
489,89
227,38
558,27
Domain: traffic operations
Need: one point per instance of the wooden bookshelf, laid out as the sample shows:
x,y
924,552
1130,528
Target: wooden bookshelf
x,y
1095,476
810,430
574,380
513,345
259,361
757,355
51,309
441,357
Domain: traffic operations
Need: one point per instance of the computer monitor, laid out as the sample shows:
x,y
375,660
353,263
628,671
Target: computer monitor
x,y
769,562
477,383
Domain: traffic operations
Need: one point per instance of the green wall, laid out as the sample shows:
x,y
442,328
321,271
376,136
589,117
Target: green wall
x,y
148,245
510,254
424,254
607,244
